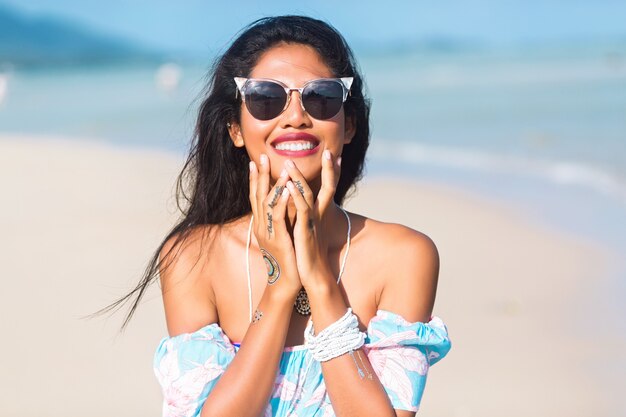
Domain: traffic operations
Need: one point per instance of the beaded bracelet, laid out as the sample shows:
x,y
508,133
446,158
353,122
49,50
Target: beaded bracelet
x,y
340,337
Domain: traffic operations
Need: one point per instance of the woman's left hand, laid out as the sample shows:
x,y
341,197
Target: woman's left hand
x,y
310,243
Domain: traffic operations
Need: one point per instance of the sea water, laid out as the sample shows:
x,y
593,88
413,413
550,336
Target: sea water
x,y
541,126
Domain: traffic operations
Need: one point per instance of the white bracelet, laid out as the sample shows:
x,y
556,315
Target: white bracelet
x,y
340,337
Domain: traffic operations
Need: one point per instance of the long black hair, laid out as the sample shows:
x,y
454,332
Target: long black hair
x,y
213,185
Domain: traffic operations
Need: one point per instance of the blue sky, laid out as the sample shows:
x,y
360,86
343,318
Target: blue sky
x,y
198,26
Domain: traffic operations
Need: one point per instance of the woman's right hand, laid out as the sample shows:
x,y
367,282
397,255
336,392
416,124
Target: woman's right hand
x,y
269,207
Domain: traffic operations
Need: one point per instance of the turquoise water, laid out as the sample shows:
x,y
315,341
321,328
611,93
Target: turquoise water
x,y
541,127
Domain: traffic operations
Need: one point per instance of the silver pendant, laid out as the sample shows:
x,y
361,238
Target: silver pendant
x,y
302,303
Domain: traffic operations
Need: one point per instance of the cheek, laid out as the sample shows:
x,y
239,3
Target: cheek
x,y
337,132
254,132
338,128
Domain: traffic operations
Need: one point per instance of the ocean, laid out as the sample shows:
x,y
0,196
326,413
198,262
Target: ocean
x,y
541,126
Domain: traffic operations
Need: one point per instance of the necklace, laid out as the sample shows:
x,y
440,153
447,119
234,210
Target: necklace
x,y
302,300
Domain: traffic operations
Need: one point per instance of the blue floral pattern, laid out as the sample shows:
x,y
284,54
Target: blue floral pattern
x,y
189,365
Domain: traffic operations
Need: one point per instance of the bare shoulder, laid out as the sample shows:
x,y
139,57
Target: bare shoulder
x,y
398,235
185,282
408,261
401,247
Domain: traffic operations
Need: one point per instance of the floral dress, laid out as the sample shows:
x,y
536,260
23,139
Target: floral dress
x,y
189,365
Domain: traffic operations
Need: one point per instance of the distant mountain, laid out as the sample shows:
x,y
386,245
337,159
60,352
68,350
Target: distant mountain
x,y
27,41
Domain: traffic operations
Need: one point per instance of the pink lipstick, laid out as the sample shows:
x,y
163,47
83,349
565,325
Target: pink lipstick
x,y
295,145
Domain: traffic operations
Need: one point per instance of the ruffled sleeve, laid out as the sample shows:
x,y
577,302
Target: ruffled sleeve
x,y
188,366
401,354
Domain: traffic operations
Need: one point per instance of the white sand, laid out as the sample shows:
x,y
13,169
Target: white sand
x,y
523,306
80,221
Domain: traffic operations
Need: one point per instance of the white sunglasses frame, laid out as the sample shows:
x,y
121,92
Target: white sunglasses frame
x,y
345,82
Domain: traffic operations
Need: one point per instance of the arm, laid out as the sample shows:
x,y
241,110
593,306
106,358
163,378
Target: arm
x,y
252,372
345,387
410,291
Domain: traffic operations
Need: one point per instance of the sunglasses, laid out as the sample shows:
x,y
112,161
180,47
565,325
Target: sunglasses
x,y
266,99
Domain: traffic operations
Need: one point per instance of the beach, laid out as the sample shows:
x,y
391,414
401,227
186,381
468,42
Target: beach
x,y
526,305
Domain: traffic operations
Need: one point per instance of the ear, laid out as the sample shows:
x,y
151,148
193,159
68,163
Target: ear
x,y
234,130
350,129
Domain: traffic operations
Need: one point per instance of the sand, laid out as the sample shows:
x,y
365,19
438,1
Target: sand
x,y
80,219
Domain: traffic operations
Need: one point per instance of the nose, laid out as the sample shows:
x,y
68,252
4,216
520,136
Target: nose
x,y
295,115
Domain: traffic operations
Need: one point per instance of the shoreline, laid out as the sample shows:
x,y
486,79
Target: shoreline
x,y
84,217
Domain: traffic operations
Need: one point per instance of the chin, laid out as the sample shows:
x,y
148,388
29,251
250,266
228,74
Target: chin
x,y
311,172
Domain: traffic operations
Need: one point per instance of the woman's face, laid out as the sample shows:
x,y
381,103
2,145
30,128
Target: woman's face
x,y
293,65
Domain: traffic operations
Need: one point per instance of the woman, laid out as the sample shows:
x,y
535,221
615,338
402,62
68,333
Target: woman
x,y
277,301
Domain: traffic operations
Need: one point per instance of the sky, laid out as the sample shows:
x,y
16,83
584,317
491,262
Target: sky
x,y
204,25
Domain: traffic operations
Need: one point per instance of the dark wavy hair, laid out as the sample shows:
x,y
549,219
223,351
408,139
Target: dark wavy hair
x,y
213,185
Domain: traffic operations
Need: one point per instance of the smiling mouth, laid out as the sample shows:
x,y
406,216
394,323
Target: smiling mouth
x,y
295,146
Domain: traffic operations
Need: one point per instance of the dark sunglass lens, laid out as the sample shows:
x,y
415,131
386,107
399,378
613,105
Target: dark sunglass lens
x,y
265,99
323,99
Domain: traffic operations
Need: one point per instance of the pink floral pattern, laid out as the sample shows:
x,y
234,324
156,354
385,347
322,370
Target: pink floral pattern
x,y
401,353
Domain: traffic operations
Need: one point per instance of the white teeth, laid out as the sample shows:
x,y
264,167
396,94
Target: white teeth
x,y
290,146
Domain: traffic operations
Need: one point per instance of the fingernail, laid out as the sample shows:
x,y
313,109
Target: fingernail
x,y
339,161
284,173
263,159
327,154
290,163
252,166
290,185
285,192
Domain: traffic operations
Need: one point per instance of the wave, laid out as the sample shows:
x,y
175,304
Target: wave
x,y
519,74
561,172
